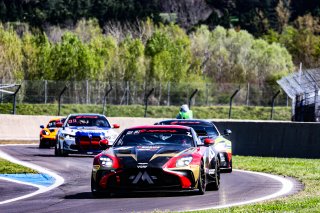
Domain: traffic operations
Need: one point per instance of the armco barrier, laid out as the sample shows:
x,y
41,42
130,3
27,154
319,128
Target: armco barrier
x,y
255,138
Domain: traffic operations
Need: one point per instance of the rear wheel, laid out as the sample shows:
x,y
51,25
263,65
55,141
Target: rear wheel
x,y
215,184
202,182
229,170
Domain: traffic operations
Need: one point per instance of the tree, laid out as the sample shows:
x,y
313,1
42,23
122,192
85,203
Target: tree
x,y
36,60
170,54
73,60
10,54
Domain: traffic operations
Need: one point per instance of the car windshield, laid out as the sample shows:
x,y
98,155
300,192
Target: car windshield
x,y
208,131
202,129
152,137
88,120
53,123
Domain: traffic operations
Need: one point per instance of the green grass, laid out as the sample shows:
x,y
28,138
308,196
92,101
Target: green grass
x,y
305,170
217,112
7,167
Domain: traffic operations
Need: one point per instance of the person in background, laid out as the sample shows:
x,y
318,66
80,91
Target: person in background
x,y
185,112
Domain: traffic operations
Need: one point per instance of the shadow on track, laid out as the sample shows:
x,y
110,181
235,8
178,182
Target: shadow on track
x,y
88,195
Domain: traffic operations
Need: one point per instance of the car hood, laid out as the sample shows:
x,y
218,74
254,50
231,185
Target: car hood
x,y
148,156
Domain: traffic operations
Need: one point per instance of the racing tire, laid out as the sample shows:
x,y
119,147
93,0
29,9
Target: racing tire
x,y
202,181
96,193
215,184
229,170
64,153
42,144
57,151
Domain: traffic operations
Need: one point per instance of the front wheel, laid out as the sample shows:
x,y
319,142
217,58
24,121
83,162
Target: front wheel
x,y
202,182
95,190
57,151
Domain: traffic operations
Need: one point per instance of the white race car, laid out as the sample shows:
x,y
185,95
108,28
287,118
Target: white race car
x,y
81,133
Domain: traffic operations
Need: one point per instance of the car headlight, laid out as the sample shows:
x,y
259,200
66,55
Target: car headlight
x,y
184,161
111,137
66,136
44,132
220,147
106,161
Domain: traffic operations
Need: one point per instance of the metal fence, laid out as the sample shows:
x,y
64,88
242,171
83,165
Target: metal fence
x,y
303,88
129,93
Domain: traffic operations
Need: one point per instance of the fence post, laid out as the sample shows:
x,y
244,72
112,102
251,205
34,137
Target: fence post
x,y
146,102
168,102
14,99
87,92
45,91
230,103
191,96
105,99
207,95
248,94
316,111
272,104
61,93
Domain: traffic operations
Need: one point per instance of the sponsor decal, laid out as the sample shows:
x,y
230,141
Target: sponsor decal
x,y
212,171
143,177
158,131
148,148
142,165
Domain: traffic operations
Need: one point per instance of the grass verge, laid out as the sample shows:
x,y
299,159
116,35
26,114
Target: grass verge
x,y
7,167
305,170
217,112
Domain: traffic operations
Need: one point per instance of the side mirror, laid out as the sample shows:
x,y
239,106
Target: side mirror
x,y
104,144
227,132
208,141
41,126
116,126
59,124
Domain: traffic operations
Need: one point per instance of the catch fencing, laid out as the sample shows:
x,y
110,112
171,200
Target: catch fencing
x,y
133,93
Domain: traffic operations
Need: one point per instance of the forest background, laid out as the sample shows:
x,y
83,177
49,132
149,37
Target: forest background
x,y
234,41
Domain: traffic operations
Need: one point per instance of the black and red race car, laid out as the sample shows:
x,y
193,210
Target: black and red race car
x,y
156,158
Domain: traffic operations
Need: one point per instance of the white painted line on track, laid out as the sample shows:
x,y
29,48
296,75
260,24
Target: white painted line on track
x,y
41,189
287,187
19,144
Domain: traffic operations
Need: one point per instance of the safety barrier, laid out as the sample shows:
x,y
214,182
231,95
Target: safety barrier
x,y
255,138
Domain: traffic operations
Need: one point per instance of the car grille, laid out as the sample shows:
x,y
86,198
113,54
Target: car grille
x,y
86,143
143,180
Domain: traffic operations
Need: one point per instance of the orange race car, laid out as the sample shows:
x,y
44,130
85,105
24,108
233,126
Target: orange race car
x,y
48,133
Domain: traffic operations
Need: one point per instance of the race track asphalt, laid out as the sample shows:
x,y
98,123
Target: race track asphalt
x,y
74,194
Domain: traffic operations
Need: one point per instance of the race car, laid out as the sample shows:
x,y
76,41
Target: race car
x,y
206,129
81,133
48,133
156,158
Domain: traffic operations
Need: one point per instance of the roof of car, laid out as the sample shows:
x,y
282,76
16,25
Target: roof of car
x,y
85,114
186,122
160,127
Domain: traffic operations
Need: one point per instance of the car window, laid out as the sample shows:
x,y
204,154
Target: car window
x,y
51,124
88,120
147,137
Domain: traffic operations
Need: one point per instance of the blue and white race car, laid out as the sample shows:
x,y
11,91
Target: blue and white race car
x,y
81,133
